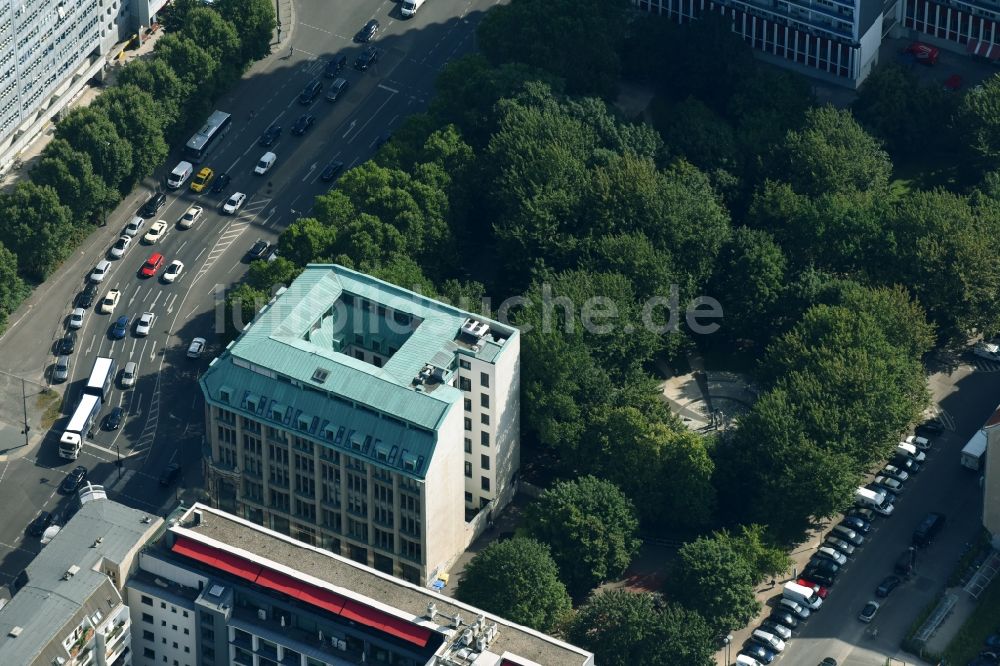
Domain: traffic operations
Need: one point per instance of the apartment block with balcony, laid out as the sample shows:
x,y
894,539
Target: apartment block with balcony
x,y
67,607
959,25
217,589
366,419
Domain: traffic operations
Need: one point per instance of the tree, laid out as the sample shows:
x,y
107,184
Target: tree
x,y
205,27
193,64
832,153
691,130
714,578
36,228
577,41
979,122
242,304
89,130
13,290
517,580
623,628
254,21
266,275
306,240
590,527
171,93
137,120
70,173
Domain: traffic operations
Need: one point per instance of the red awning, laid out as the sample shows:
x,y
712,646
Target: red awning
x,y
390,624
325,599
216,558
279,582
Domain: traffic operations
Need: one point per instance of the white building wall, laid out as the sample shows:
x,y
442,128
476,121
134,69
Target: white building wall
x,y
444,530
162,631
991,484
507,416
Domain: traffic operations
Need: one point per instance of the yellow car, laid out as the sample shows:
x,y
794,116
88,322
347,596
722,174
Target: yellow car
x,y
203,178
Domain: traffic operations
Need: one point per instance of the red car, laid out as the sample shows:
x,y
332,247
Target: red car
x,y
153,264
819,589
925,54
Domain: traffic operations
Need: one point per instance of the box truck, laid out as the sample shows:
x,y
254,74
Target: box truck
x,y
974,453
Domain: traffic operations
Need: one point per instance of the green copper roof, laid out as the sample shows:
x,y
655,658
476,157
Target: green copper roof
x,y
292,352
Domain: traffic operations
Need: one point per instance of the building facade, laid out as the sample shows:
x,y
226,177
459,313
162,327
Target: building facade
x,y
217,589
366,419
49,49
68,607
991,478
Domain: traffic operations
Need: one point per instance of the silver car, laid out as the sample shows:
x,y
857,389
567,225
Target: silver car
x,y
60,372
128,374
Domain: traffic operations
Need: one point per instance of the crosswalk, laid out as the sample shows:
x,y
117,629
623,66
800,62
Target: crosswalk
x,y
232,232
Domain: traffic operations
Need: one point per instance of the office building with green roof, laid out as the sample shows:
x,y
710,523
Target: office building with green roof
x,y
366,419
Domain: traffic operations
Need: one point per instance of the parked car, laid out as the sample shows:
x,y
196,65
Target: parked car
x,y
776,628
190,216
41,522
73,479
922,443
153,205
117,250
170,474
928,528
113,420
258,250
144,324
155,232
864,514
905,463
331,171
100,271
76,318
894,472
119,328
847,534
768,639
60,372
816,576
888,584
867,613
67,345
221,182
894,485
839,544
110,301
822,564
784,617
367,32
832,554
270,135
794,607
134,226
86,297
196,347
234,203
904,563
930,428
173,271
821,589
987,350
857,523
755,650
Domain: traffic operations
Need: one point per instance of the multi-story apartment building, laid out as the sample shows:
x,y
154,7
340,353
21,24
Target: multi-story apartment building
x,y
367,419
991,478
48,51
68,607
217,589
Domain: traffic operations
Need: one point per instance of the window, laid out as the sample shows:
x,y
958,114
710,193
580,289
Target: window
x,y
484,419
464,384
484,461
147,601
163,605
468,498
465,365
148,653
484,379
484,438
468,405
484,483
148,635
147,618
468,445
468,424
484,400
468,469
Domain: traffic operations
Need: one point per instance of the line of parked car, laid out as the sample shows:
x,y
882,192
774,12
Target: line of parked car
x,y
804,596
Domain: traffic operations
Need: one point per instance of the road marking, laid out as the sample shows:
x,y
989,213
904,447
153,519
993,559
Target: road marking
x,y
312,168
155,298
370,118
349,128
200,253
385,87
152,355
178,250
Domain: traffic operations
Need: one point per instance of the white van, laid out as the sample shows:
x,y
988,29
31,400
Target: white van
x,y
410,7
266,162
769,639
866,497
179,175
911,452
801,594
743,660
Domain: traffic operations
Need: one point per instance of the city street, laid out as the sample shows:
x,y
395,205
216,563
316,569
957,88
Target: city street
x,y
164,419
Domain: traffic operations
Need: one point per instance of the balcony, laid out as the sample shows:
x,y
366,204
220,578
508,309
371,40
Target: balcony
x,y
293,638
224,469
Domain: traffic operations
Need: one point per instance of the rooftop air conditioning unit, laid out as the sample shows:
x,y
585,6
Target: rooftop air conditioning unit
x,y
476,329
261,614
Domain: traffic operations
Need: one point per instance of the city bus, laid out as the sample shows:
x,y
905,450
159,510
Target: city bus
x,y
101,377
79,426
201,143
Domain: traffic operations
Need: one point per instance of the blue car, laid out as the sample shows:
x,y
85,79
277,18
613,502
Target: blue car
x,y
759,652
857,523
120,328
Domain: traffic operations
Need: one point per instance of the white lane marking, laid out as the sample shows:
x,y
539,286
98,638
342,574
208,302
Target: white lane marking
x,y
370,118
200,253
152,355
385,87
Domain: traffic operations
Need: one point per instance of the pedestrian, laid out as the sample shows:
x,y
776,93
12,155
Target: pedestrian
x,y
291,51
772,584
253,114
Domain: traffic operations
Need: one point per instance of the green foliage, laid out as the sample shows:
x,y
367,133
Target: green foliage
x,y
193,64
13,290
90,131
970,638
832,154
576,40
71,174
36,228
714,577
267,275
623,628
219,38
749,282
979,123
590,527
691,130
523,572
155,76
136,117
254,21
242,304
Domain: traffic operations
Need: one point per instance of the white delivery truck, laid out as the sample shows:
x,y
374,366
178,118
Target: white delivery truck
x,y
79,425
179,175
974,453
870,499
801,594
410,7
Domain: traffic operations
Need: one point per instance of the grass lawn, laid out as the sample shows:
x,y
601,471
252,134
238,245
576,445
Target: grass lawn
x,y
968,642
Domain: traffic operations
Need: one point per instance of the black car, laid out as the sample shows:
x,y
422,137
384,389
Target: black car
x,y
336,89
864,514
258,250
757,651
170,474
888,584
930,428
310,91
382,139
331,171
302,124
924,534
824,564
113,420
74,479
41,523
367,32
366,58
68,344
269,136
86,297
785,618
904,563
905,463
336,64
220,182
820,576
153,204
857,523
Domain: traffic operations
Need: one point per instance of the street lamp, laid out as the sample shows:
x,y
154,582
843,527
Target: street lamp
x,y
24,403
119,462
727,641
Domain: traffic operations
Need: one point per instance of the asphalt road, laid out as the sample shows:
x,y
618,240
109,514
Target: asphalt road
x,y
968,394
164,410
